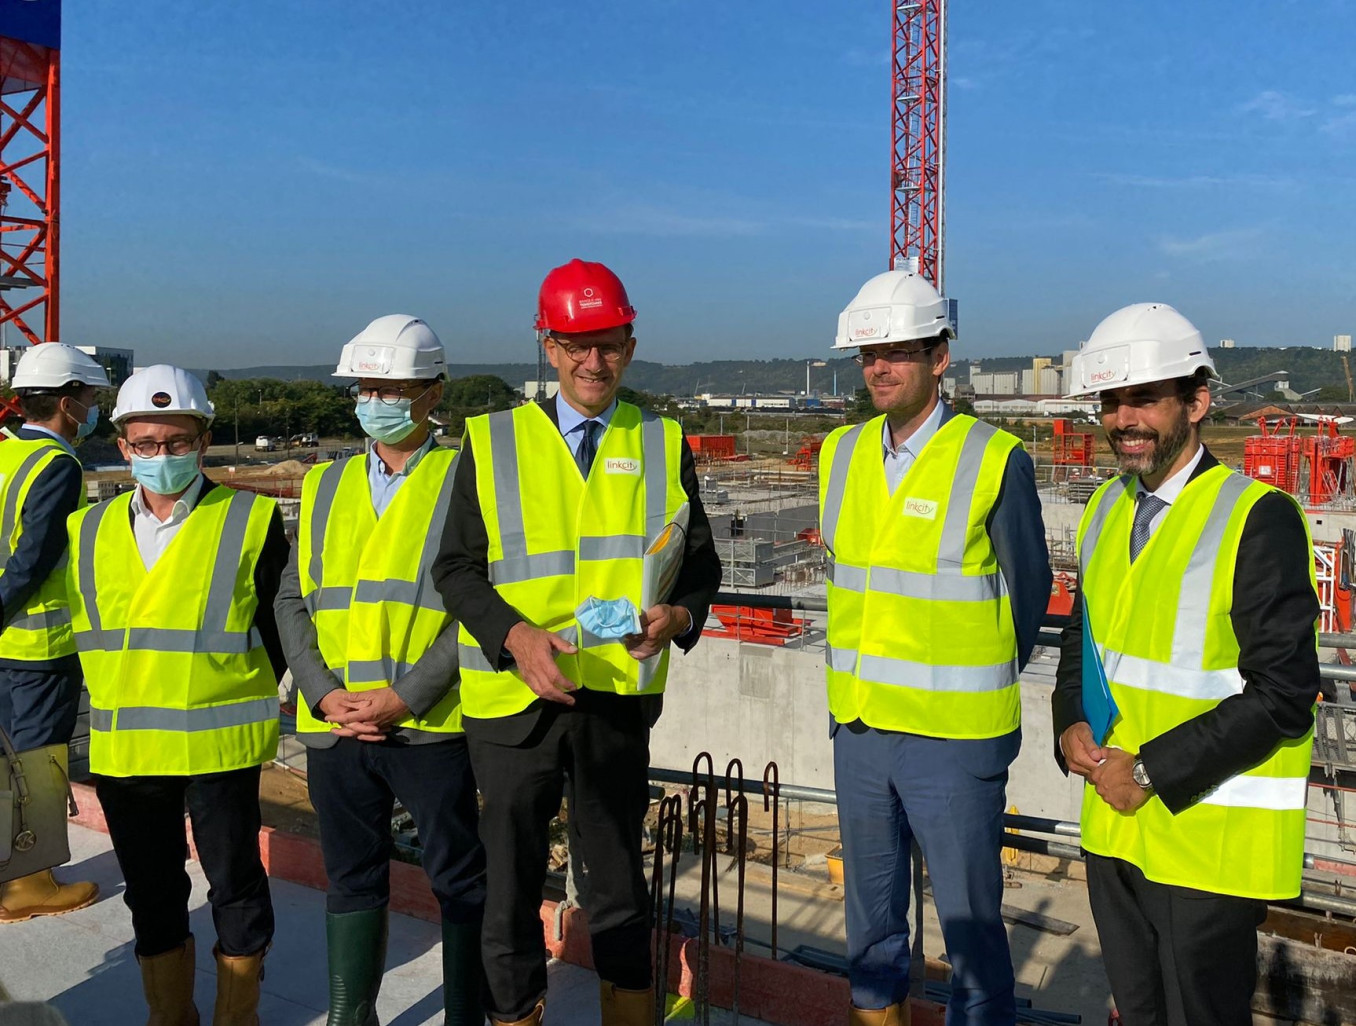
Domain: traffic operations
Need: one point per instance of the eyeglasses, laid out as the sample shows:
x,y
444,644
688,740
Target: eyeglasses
x,y
893,355
579,351
180,445
391,395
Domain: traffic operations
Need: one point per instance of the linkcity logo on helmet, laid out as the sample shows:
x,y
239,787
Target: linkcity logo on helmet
x,y
161,400
1102,376
865,332
621,465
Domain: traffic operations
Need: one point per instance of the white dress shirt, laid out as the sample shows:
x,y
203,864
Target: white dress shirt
x,y
153,535
899,458
1169,490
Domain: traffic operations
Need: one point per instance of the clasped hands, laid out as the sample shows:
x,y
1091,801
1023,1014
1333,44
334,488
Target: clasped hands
x,y
1108,769
534,649
366,715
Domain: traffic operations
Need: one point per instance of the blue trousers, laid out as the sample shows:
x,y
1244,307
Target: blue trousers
x,y
354,786
950,795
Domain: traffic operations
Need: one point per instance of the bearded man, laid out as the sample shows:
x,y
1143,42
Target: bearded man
x,y
1197,614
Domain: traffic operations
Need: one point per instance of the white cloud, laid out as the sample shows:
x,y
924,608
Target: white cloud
x,y
1225,245
1276,106
1198,181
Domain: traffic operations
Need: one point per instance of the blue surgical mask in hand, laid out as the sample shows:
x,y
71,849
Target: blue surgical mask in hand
x,y
382,421
610,619
165,475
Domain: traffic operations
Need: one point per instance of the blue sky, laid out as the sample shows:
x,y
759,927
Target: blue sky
x,y
249,182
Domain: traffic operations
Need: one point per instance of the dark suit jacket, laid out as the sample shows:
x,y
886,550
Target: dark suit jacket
x,y
1273,614
461,575
54,495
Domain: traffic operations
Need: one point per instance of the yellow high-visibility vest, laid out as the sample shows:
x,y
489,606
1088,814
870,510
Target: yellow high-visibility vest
x,y
179,680
42,629
920,636
555,540
367,581
1163,627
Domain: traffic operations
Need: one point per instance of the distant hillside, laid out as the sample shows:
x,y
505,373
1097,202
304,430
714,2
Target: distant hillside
x,y
1309,369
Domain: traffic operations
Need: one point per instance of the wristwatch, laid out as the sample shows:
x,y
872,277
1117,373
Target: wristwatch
x,y
1141,775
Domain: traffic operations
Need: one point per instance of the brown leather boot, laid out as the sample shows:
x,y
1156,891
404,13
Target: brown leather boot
x,y
167,981
626,1007
533,1017
238,979
894,1015
39,894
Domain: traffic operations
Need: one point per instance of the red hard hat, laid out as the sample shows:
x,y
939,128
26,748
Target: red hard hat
x,y
582,296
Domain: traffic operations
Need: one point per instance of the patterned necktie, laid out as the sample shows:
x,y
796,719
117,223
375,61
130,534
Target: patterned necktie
x,y
1146,509
588,447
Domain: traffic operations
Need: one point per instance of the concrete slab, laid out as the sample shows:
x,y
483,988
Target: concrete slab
x,y
83,963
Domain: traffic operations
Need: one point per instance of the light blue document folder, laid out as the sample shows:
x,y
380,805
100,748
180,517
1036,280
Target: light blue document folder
x,y
1099,707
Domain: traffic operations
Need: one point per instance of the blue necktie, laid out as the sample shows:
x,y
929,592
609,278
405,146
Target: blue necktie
x,y
588,447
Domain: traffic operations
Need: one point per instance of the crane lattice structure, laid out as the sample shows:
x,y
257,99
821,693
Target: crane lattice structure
x,y
918,135
30,181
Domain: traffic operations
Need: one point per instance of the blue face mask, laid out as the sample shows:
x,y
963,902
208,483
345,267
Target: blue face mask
x,y
612,619
384,422
86,427
165,475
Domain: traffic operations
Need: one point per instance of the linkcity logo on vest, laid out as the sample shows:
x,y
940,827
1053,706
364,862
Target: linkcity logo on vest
x,y
925,509
621,465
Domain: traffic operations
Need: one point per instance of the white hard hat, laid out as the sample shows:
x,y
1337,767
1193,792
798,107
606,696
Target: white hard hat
x,y
1137,345
54,365
159,391
897,306
396,347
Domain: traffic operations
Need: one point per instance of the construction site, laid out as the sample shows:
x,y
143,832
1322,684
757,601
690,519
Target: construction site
x,y
742,837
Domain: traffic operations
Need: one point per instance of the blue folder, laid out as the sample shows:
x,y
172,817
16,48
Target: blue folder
x,y
1099,707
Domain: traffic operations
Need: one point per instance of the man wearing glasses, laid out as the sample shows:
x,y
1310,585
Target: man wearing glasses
x,y
373,652
171,589
553,505
938,580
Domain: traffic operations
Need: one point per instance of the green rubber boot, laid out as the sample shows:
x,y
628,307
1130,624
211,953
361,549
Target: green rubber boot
x,y
463,975
356,945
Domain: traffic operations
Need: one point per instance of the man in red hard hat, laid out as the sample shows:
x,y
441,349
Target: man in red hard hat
x,y
554,505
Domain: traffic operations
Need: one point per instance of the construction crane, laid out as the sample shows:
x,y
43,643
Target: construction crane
x,y
918,139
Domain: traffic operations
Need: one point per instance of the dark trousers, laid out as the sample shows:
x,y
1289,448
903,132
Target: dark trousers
x,y
146,822
949,794
38,707
1174,956
602,743
354,786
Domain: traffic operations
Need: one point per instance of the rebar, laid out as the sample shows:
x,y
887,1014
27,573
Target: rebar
x,y
772,793
737,833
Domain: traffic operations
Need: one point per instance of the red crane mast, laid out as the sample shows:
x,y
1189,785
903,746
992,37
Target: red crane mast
x,y
30,182
918,139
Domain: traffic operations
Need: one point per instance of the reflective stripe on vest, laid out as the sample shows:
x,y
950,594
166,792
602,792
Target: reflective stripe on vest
x,y
537,506
176,699
1164,627
868,592
373,599
516,565
40,629
214,637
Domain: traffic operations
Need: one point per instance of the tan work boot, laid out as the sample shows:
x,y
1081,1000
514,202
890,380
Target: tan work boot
x,y
626,1007
39,894
894,1015
238,979
533,1017
167,981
